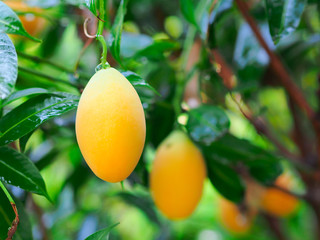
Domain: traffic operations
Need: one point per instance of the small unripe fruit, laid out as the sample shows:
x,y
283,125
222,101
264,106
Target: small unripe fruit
x,y
233,219
177,176
277,202
173,26
110,125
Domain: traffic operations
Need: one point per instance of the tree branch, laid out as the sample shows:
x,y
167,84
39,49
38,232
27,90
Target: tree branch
x,y
15,222
276,64
42,75
39,214
284,77
226,73
275,227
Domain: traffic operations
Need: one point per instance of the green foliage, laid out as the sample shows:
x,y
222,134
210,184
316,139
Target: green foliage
x,y
10,23
182,85
8,64
18,170
206,124
7,215
116,31
31,114
283,16
102,234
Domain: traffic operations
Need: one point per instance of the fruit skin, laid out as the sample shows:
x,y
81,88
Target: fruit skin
x,y
177,176
233,219
277,202
32,23
110,125
173,25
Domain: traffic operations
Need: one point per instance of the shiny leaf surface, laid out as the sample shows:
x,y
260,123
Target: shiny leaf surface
x,y
31,114
207,123
8,65
229,149
226,181
283,16
102,234
10,22
16,169
23,93
138,81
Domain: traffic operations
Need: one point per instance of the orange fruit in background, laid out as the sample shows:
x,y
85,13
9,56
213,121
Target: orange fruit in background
x,y
277,202
177,176
233,219
32,23
110,125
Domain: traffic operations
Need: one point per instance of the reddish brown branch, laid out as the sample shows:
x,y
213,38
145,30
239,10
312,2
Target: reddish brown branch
x,y
223,69
275,227
226,73
14,224
276,64
39,214
284,77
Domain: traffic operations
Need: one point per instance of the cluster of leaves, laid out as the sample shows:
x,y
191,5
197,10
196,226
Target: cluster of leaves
x,y
161,65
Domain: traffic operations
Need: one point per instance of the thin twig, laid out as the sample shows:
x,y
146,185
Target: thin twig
x,y
39,214
305,145
276,63
86,45
275,227
284,77
227,75
51,63
42,75
15,222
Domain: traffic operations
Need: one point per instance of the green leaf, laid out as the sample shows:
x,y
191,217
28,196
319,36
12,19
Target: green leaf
x,y
156,50
8,65
138,81
31,114
207,123
220,7
11,24
116,30
23,93
16,169
226,181
142,202
23,141
131,43
102,234
283,16
187,9
7,215
231,150
91,5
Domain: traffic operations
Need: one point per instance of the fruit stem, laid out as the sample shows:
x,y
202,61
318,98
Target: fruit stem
x,y
7,193
15,222
99,36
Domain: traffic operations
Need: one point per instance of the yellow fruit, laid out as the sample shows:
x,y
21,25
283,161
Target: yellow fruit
x,y
110,125
30,21
277,202
233,219
177,176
